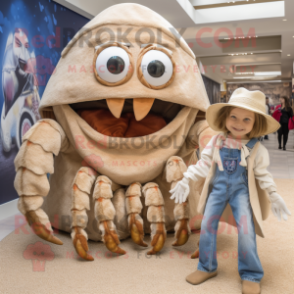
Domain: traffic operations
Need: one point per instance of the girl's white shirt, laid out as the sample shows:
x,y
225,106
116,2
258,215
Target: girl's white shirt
x,y
210,154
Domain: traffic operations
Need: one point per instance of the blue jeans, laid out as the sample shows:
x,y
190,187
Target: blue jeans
x,y
230,186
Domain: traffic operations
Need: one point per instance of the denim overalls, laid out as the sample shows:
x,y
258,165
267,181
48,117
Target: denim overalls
x,y
230,186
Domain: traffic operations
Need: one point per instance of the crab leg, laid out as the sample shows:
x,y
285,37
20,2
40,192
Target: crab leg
x,y
155,215
134,208
105,213
32,163
81,190
121,218
182,228
175,168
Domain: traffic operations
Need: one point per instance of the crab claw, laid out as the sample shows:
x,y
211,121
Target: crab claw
x,y
137,232
81,245
40,229
82,248
196,253
158,239
182,233
111,240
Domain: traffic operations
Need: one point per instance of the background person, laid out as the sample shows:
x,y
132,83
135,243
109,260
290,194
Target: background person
x,y
268,112
282,114
293,110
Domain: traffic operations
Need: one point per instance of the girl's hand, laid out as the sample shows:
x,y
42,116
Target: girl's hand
x,y
181,191
279,206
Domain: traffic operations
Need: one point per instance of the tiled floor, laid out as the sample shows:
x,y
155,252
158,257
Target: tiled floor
x,y
7,226
281,166
281,162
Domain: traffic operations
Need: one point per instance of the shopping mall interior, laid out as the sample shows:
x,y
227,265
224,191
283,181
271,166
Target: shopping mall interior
x,y
219,46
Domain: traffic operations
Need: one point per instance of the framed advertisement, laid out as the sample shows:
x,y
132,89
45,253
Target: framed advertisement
x,y
32,36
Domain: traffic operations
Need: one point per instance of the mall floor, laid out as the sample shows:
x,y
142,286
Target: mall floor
x,y
281,167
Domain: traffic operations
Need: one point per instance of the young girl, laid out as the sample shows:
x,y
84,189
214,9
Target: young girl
x,y
242,120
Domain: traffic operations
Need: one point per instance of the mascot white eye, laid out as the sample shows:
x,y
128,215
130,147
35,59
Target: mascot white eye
x,y
157,68
113,66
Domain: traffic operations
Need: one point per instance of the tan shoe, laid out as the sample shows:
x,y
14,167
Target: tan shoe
x,y
199,277
249,287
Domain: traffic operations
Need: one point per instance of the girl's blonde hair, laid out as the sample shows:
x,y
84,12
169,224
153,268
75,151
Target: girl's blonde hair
x,y
259,127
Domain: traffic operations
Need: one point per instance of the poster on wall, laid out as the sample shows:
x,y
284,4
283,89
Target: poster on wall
x,y
32,35
271,90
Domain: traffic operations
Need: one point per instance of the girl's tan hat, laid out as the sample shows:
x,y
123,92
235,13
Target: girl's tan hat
x,y
242,98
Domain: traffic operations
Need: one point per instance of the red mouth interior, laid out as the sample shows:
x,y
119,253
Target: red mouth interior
x,y
97,114
126,126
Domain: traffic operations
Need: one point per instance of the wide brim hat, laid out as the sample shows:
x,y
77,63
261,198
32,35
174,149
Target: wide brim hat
x,y
249,100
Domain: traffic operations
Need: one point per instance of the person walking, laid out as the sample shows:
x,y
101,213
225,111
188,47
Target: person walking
x,y
293,111
282,114
268,112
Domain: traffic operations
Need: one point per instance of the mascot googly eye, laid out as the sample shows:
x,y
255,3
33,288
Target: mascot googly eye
x,y
112,64
156,68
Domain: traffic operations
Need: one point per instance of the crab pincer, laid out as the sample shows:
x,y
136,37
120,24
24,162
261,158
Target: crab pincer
x,y
158,239
155,215
134,208
40,229
80,244
196,253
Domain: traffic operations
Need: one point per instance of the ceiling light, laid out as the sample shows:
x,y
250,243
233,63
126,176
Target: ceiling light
x,y
233,54
289,55
207,13
244,73
284,19
268,73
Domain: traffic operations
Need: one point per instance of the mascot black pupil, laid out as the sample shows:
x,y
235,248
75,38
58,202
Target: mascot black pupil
x,y
156,68
115,65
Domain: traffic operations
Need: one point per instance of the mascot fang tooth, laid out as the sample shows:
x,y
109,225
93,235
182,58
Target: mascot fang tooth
x,y
122,116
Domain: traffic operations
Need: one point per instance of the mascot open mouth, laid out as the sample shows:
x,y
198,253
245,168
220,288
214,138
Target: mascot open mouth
x,y
127,118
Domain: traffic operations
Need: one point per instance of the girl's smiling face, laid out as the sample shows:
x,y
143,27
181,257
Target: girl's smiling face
x,y
240,122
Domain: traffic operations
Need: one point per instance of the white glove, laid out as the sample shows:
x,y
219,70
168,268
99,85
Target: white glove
x,y
279,206
181,191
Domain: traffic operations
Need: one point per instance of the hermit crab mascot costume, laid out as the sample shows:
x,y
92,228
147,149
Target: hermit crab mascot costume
x,y
122,116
